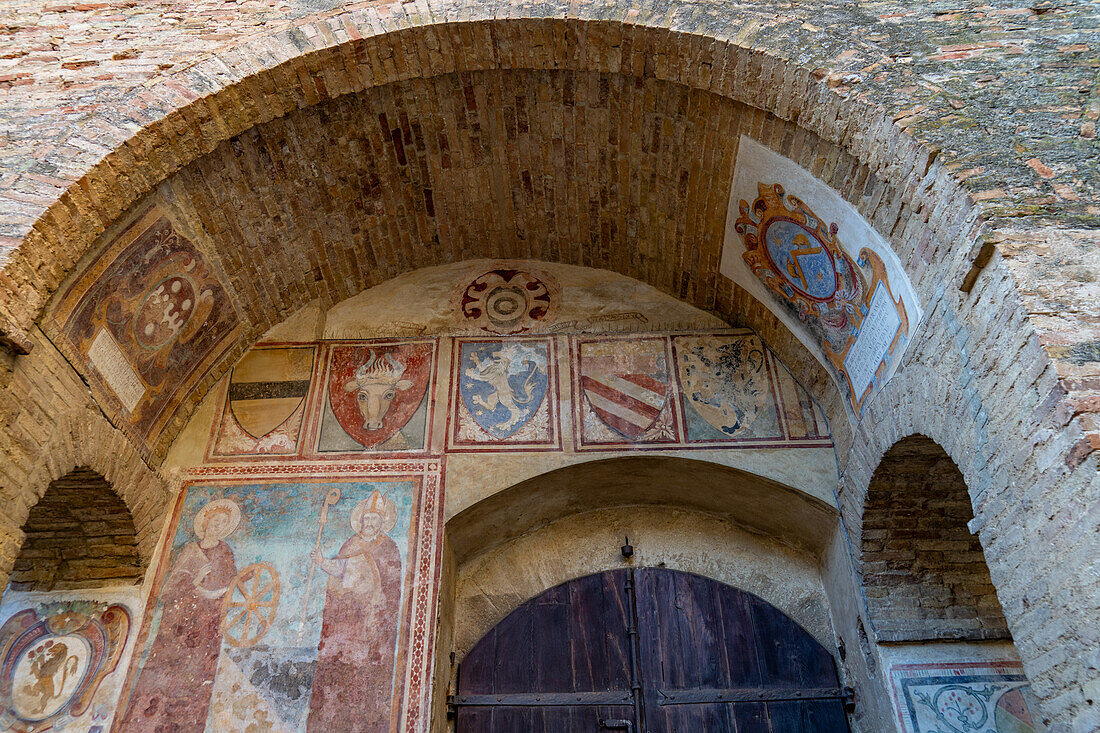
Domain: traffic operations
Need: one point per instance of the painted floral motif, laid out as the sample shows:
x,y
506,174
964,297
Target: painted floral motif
x,y
966,697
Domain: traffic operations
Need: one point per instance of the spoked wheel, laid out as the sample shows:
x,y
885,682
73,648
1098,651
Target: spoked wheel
x,y
250,604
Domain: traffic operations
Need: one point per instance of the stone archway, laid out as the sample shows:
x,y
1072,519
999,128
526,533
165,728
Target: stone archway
x,y
682,514
903,188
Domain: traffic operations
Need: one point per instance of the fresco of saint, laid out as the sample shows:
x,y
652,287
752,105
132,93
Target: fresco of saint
x,y
173,690
353,682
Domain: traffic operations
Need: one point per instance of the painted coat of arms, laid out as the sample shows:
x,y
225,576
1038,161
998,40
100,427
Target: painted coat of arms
x,y
149,316
506,301
727,392
847,304
265,402
377,397
503,392
624,391
54,659
964,697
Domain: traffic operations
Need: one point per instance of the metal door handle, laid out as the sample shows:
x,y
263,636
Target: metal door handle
x,y
617,724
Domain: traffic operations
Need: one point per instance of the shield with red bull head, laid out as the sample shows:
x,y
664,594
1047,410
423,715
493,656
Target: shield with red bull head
x,y
374,390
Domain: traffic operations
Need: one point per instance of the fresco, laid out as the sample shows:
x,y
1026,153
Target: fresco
x,y
624,392
148,309
64,656
507,301
284,606
713,390
264,406
964,697
733,390
374,398
504,394
377,397
798,247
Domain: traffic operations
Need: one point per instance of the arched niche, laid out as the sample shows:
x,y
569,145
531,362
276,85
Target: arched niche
x,y
79,535
682,514
924,572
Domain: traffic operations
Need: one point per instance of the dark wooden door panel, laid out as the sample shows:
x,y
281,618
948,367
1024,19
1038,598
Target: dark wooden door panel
x,y
576,719
571,639
789,656
710,659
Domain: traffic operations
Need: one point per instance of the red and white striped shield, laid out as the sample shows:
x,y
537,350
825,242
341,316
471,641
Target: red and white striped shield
x,y
626,386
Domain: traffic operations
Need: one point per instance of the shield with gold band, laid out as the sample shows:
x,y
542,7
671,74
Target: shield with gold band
x,y
267,386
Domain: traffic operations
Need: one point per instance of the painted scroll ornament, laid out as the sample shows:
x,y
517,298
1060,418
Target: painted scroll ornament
x,y
54,658
800,259
506,301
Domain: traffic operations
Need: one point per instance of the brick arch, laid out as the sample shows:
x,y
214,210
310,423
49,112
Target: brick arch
x,y
80,534
1045,605
919,207
228,94
84,439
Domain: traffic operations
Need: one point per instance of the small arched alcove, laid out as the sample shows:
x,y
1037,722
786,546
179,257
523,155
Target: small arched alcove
x,y
79,535
924,573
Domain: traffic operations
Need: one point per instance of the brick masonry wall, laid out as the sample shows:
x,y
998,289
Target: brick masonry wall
x,y
79,535
924,574
1009,395
49,426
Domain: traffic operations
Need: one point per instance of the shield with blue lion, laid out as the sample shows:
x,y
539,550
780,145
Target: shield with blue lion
x,y
502,384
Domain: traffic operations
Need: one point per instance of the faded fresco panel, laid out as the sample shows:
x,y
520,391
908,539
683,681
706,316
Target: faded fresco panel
x,y
504,395
146,320
283,606
623,392
964,697
800,249
733,391
64,657
377,398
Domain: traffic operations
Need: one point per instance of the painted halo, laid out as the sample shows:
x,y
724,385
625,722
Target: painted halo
x,y
218,505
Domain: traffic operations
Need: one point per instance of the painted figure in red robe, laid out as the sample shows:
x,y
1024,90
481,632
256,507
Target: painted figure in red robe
x,y
173,689
353,682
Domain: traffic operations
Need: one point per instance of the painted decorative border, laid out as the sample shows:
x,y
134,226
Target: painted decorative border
x,y
904,676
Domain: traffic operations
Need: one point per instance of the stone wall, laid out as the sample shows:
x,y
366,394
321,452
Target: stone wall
x,y
79,535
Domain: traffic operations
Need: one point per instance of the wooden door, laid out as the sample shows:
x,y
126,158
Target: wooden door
x,y
560,662
648,651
